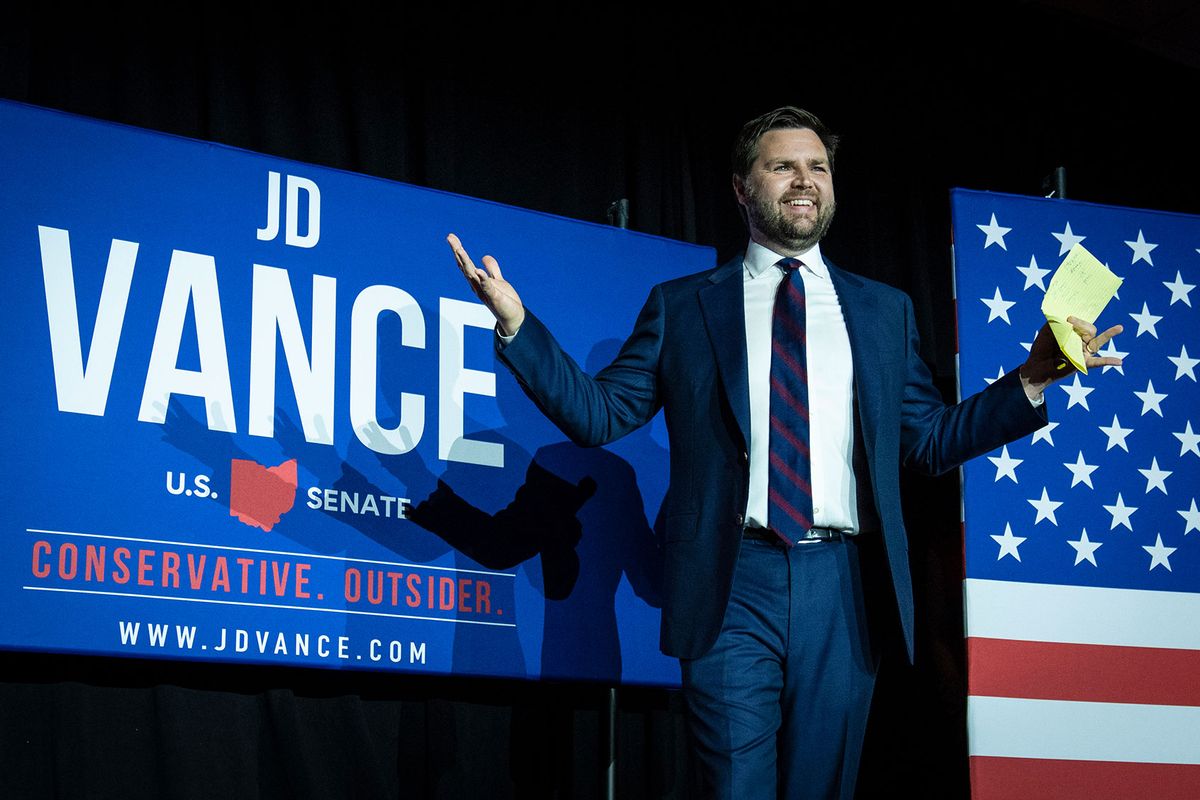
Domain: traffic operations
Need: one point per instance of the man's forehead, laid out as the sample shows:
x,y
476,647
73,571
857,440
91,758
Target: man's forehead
x,y
791,144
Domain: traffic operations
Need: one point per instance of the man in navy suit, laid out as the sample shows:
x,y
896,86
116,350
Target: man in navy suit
x,y
778,489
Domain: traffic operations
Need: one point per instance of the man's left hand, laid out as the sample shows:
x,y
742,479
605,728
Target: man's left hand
x,y
1047,364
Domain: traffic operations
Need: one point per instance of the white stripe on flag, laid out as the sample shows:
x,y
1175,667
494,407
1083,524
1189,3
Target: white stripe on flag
x,y
1060,729
1081,614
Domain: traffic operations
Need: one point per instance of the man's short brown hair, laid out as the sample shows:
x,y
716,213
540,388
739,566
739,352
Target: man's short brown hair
x,y
745,147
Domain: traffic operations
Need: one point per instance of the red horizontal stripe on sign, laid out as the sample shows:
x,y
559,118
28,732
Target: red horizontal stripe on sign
x,y
1029,778
1097,673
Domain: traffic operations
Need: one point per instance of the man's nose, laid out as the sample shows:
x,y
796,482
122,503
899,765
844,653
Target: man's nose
x,y
802,177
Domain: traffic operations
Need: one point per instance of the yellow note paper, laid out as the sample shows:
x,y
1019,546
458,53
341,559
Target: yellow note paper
x,y
1081,287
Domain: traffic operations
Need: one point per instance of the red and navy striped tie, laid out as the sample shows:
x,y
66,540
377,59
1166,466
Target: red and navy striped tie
x,y
789,488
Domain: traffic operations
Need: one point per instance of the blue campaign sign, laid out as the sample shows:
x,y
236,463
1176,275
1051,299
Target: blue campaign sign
x,y
252,414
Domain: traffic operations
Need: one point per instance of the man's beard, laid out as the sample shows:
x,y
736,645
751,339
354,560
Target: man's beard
x,y
794,234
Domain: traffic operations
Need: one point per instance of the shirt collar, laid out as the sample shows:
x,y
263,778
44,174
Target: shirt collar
x,y
759,259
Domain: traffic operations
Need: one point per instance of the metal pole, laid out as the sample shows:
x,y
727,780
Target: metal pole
x,y
618,215
1055,184
610,759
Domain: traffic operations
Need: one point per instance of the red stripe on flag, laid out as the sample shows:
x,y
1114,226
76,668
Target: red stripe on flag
x,y
1087,672
995,778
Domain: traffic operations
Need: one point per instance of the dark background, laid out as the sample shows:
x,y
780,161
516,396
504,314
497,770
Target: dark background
x,y
565,112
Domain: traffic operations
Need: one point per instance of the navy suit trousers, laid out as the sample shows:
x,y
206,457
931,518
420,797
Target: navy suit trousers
x,y
778,707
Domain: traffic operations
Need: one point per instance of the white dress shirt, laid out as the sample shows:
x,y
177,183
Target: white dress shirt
x,y
830,387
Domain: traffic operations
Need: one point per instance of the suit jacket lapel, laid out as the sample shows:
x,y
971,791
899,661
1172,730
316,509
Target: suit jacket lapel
x,y
721,303
861,311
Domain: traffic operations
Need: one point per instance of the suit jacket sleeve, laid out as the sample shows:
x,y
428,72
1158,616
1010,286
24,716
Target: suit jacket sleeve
x,y
935,438
591,410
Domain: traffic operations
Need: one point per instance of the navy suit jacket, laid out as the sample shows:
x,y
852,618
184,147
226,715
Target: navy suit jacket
x,y
687,355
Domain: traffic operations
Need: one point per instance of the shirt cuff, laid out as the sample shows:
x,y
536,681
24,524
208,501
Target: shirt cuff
x,y
1036,395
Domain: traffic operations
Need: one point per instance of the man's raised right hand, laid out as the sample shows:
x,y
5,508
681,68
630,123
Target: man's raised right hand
x,y
491,288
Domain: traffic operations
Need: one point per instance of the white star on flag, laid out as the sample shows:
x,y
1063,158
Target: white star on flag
x,y
1116,435
1141,250
1006,466
1110,351
999,375
1183,364
1145,320
1008,543
1029,345
994,233
1044,434
1151,400
1066,240
1191,517
998,307
1081,472
1155,478
1077,392
1085,550
1189,442
1159,554
1121,513
1179,290
1045,508
1034,274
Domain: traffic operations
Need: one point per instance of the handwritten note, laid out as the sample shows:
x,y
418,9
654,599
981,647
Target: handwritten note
x,y
1081,287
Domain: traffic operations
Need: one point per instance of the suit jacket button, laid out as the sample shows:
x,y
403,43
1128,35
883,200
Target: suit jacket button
x,y
738,520
745,457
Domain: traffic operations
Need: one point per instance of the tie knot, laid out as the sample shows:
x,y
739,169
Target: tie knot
x,y
789,264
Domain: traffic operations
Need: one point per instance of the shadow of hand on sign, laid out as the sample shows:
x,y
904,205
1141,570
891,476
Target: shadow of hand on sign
x,y
541,519
189,435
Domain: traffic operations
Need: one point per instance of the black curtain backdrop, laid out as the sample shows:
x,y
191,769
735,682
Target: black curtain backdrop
x,y
566,112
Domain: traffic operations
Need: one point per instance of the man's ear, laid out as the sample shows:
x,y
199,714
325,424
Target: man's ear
x,y
739,189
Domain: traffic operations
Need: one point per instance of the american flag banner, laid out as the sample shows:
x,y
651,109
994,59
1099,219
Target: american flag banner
x,y
1083,540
